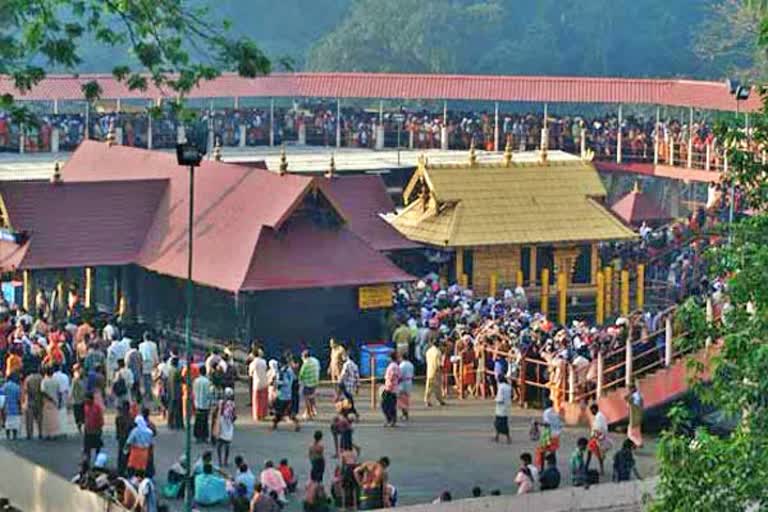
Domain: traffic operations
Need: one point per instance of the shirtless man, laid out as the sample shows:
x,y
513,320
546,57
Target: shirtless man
x,y
372,478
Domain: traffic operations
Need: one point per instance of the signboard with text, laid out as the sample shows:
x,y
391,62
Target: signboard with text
x,y
374,297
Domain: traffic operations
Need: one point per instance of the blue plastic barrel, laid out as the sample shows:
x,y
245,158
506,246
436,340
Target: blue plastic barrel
x,y
381,358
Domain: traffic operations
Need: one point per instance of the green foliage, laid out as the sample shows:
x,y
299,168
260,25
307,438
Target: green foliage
x,y
706,473
173,44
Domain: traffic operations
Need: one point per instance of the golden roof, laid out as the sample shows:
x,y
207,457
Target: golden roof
x,y
500,203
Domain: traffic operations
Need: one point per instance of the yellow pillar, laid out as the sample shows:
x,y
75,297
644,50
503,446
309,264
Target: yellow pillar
x,y
532,266
608,304
594,261
464,281
600,299
640,286
88,287
459,265
562,297
61,299
519,278
625,292
27,297
545,290
493,285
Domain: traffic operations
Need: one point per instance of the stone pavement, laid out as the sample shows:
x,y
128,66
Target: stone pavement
x,y
441,448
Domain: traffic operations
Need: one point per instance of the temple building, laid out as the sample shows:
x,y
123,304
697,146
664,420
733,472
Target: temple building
x,y
501,223
278,257
638,206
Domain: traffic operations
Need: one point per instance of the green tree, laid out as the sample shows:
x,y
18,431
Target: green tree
x,y
172,44
707,473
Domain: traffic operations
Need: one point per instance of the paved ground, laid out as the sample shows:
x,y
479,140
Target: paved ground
x,y
446,448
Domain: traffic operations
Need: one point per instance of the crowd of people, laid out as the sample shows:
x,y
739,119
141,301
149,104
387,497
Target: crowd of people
x,y
420,129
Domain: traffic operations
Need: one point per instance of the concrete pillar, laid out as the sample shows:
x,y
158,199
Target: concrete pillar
x,y
496,128
674,198
302,134
381,112
149,133
118,105
444,138
583,141
88,292
119,135
87,132
445,113
380,137
236,102
22,139
55,106
271,122
338,123
668,341
243,135
619,138
55,140
410,139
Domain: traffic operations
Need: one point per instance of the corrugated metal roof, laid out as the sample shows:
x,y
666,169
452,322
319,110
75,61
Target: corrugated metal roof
x,y
671,92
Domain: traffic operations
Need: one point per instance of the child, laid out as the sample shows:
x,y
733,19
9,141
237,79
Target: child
x,y
288,475
578,463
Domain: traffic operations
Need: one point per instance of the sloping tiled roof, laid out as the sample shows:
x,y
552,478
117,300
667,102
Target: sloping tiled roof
x,y
671,92
521,204
361,199
79,224
301,256
638,206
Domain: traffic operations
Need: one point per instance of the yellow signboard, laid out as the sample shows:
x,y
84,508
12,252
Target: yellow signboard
x,y
373,297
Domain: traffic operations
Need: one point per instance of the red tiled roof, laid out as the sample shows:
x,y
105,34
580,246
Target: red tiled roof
x,y
671,92
232,203
302,256
361,199
11,255
238,210
637,206
78,224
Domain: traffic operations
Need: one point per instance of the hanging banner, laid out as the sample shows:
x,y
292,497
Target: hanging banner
x,y
374,297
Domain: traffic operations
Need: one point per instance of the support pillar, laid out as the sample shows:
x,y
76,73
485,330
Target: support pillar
x,y
657,137
600,299
87,132
562,297
708,157
600,374
381,112
583,141
410,139
243,135
149,132
496,128
118,105
55,140
640,286
302,133
544,291
236,102
22,139
619,138
608,304
674,198
628,362
119,135
624,292
668,341
380,137
594,263
271,122
532,266
181,134
88,292
459,264
28,294
445,113
56,107
690,138
338,123
444,138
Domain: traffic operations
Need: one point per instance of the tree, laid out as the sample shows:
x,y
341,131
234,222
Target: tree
x,y
172,44
704,472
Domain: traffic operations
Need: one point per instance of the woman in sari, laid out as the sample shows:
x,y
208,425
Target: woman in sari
x,y
273,375
635,402
50,389
195,373
138,446
174,397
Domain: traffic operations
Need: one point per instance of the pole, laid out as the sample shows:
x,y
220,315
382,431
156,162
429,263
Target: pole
x,y
618,139
87,121
668,341
600,299
600,376
608,302
640,286
628,362
496,129
544,291
188,345
657,138
562,296
271,122
373,381
338,123
625,292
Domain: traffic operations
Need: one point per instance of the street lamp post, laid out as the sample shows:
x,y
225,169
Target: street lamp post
x,y
188,155
741,93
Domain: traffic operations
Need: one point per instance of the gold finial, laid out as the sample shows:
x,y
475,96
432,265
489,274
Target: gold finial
x,y
331,173
283,161
217,150
110,139
472,153
56,176
508,153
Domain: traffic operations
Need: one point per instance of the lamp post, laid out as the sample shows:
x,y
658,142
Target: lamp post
x,y
188,155
741,93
